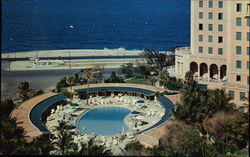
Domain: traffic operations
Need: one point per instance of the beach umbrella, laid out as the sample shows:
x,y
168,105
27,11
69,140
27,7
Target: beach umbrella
x,y
140,101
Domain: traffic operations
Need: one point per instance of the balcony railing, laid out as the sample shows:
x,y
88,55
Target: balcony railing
x,y
247,14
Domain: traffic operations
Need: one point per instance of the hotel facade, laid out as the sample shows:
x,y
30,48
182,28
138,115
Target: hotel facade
x,y
220,47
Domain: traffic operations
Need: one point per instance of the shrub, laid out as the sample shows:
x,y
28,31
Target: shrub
x,y
7,106
61,84
114,79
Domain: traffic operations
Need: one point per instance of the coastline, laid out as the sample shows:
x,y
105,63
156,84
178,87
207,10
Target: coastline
x,y
69,59
72,53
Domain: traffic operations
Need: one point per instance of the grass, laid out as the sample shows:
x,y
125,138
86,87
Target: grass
x,y
139,81
201,86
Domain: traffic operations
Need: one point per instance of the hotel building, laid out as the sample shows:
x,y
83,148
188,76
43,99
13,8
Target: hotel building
x,y
220,47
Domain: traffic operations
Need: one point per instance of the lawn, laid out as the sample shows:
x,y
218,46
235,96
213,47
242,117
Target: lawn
x,y
139,81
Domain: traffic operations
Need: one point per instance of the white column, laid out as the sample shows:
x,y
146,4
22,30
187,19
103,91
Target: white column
x,y
218,77
198,65
208,73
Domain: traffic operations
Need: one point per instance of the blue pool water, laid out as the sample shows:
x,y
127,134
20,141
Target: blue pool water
x,y
132,24
108,120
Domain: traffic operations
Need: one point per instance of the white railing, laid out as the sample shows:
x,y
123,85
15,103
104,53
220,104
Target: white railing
x,y
182,48
247,14
209,58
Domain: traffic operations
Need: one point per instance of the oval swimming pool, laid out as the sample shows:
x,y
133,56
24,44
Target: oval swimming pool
x,y
107,120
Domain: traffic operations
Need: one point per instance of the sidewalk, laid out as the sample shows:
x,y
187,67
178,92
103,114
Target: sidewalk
x,y
72,64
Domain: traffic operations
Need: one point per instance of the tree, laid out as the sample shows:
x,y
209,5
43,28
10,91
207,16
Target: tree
x,y
188,109
143,69
218,100
134,148
158,59
163,76
44,143
39,92
11,136
89,74
196,104
181,139
114,79
24,90
61,84
9,129
7,105
228,129
71,80
153,80
99,69
68,94
64,142
127,69
92,149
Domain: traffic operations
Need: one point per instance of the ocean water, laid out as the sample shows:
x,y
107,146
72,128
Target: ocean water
x,y
94,24
107,120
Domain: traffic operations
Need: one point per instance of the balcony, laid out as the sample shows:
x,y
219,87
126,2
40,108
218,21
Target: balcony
x,y
247,14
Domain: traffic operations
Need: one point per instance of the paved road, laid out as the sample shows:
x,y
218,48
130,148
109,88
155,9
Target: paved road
x,y
73,57
43,79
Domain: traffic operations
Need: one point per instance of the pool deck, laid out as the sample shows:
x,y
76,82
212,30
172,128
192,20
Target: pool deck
x,y
22,113
159,131
30,131
152,88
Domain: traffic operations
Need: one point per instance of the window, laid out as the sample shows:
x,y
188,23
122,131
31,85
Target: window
x,y
248,51
238,50
220,4
200,38
220,16
220,28
238,78
238,35
231,94
220,39
248,22
242,96
210,38
238,7
210,27
200,4
248,36
210,50
220,51
238,21
248,65
200,26
200,49
210,4
210,16
200,15
241,109
238,64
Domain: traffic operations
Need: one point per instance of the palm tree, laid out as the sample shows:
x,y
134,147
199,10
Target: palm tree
x,y
68,94
63,126
44,143
153,80
89,74
91,149
7,105
25,90
71,80
64,142
163,76
218,100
